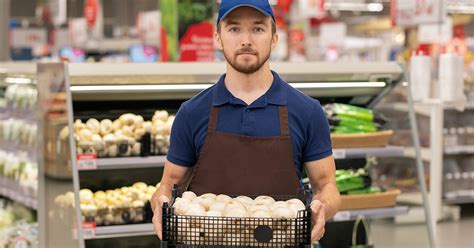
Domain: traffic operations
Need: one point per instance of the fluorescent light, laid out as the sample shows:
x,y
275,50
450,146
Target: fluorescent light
x,y
190,87
339,85
163,87
341,6
17,80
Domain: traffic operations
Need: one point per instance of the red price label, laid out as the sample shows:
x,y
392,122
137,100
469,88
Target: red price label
x,y
87,162
88,230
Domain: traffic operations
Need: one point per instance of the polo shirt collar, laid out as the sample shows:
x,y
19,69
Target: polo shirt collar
x,y
276,95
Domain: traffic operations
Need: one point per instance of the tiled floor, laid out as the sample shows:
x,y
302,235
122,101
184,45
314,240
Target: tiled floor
x,y
450,234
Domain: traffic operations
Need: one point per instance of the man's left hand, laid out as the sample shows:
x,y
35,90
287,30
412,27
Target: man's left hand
x,y
318,220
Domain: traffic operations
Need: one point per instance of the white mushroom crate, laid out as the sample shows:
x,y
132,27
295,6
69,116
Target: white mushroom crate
x,y
213,220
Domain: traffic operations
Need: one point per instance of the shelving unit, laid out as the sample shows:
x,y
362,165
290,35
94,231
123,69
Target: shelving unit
x,y
362,84
453,150
375,213
15,192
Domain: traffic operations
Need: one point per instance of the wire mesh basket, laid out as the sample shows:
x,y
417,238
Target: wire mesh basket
x,y
203,231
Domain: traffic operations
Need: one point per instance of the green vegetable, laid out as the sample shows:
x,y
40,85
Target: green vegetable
x,y
345,110
349,180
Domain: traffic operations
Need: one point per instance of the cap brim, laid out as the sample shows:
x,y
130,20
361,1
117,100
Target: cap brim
x,y
243,5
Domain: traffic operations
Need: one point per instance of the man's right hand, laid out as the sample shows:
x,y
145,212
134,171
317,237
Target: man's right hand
x,y
157,225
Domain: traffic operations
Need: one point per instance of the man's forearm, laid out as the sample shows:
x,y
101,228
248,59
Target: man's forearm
x,y
165,189
331,199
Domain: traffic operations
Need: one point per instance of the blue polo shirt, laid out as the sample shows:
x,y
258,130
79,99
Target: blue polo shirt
x,y
309,128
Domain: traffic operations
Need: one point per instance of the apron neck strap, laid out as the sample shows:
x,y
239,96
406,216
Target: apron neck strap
x,y
282,112
212,126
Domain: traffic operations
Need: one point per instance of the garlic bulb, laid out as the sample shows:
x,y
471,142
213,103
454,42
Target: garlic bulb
x,y
189,195
264,200
105,127
234,204
86,196
205,202
116,125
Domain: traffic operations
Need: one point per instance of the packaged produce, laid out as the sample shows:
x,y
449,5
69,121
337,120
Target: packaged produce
x,y
129,135
126,205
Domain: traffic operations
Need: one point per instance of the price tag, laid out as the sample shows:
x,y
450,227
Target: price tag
x,y
88,230
342,216
339,153
87,162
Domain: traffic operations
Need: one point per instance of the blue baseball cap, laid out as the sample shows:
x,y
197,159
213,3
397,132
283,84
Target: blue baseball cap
x,y
228,6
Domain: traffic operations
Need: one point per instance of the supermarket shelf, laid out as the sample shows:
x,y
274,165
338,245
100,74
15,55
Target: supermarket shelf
x,y
129,162
388,151
425,153
12,190
375,213
451,150
103,232
460,200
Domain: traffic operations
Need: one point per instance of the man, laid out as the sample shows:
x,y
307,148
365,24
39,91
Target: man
x,y
251,133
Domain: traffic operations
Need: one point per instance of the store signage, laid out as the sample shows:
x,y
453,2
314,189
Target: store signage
x,y
91,9
88,230
78,32
415,12
435,33
197,44
149,27
311,8
332,33
87,162
27,37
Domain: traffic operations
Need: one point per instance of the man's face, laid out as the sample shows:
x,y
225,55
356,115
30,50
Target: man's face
x,y
246,39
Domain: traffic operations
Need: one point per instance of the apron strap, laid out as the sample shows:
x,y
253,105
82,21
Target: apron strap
x,y
212,126
283,113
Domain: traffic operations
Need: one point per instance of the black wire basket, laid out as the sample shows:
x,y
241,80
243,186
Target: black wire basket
x,y
204,231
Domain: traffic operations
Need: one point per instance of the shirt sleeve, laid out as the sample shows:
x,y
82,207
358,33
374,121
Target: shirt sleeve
x,y
318,136
181,151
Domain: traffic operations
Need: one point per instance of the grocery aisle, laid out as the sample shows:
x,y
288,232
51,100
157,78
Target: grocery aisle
x,y
450,234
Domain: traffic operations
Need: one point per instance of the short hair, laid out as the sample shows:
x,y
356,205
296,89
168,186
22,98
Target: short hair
x,y
273,27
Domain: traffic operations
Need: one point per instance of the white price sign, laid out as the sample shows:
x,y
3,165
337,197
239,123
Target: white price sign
x,y
339,153
88,230
414,12
342,216
87,162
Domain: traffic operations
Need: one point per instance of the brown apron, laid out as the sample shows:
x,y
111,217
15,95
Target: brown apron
x,y
245,165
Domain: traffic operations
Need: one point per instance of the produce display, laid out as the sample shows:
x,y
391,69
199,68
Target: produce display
x,y
129,135
16,225
126,205
20,97
211,219
20,169
355,182
18,131
344,118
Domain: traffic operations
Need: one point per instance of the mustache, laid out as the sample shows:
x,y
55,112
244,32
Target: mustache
x,y
246,50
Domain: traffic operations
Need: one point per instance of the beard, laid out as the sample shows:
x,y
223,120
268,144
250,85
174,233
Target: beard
x,y
246,66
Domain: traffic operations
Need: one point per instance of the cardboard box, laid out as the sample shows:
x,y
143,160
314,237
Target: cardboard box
x,y
377,200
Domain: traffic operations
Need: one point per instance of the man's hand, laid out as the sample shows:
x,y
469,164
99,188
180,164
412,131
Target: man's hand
x,y
157,215
318,217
